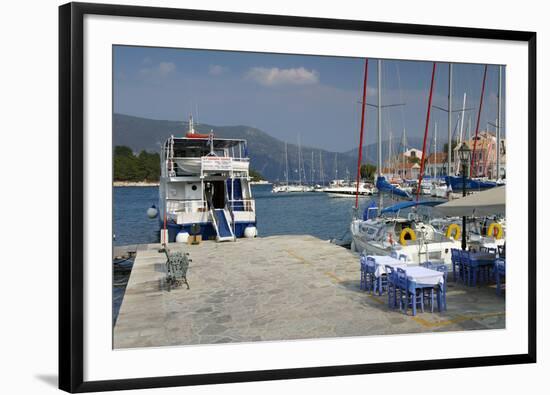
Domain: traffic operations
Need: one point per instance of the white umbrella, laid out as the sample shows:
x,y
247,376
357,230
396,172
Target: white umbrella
x,y
489,202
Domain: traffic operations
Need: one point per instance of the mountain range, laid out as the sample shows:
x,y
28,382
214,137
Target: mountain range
x,y
267,153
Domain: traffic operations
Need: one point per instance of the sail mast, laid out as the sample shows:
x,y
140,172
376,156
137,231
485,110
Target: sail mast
x,y
379,118
286,162
312,167
404,144
434,150
449,120
360,153
426,134
473,164
499,121
299,162
462,120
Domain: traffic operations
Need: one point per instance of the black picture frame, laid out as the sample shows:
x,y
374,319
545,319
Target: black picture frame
x,y
71,198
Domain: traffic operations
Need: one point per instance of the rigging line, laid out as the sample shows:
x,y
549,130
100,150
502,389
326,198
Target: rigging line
x,y
400,93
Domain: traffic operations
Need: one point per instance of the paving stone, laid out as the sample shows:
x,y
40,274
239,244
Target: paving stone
x,y
276,288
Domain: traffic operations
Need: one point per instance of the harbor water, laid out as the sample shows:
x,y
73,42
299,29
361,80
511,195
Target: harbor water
x,y
312,213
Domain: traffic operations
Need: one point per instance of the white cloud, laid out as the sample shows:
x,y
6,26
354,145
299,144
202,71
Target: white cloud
x,y
162,69
275,76
166,67
216,69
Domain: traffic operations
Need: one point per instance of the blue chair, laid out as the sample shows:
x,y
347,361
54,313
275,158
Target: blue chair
x,y
370,274
382,284
412,295
392,287
403,257
455,259
500,271
442,289
466,267
363,264
393,254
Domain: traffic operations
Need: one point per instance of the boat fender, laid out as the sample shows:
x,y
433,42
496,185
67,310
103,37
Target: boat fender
x,y
250,232
152,212
491,231
404,233
453,231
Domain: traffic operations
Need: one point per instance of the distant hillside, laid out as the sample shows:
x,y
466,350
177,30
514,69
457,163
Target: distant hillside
x,y
266,152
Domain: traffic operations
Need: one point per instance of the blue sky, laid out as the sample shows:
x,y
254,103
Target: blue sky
x,y
316,97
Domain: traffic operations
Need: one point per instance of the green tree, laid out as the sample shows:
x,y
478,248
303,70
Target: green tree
x,y
368,171
414,159
454,143
129,167
255,175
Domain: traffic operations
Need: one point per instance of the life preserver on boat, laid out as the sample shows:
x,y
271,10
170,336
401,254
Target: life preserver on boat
x,y
197,136
453,231
404,233
491,231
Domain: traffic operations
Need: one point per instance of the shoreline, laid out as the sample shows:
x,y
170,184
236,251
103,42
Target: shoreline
x,y
135,184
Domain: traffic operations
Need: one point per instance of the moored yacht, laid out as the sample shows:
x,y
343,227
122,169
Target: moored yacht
x,y
410,235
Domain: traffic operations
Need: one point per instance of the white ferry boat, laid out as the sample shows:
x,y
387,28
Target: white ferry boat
x,y
205,188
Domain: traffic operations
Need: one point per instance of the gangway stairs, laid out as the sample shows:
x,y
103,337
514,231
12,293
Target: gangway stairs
x,y
221,221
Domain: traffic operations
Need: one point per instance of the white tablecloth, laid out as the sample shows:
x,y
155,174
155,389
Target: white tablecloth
x,y
422,276
383,260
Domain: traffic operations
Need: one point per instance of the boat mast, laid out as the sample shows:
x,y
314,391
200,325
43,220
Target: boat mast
x,y
499,120
286,162
422,161
462,120
389,154
379,118
434,150
299,162
321,171
360,154
449,119
312,168
473,164
336,166
404,144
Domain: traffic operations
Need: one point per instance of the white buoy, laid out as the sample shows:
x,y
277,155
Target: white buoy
x,y
152,212
182,237
250,232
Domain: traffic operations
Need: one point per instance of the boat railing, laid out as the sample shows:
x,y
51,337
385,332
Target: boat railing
x,y
185,206
242,205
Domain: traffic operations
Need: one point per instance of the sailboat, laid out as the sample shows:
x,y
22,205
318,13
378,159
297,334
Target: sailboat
x,y
382,231
287,187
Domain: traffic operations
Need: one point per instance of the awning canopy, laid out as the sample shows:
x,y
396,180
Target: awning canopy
x,y
489,202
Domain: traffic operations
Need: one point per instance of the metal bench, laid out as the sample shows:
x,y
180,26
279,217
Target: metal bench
x,y
177,264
